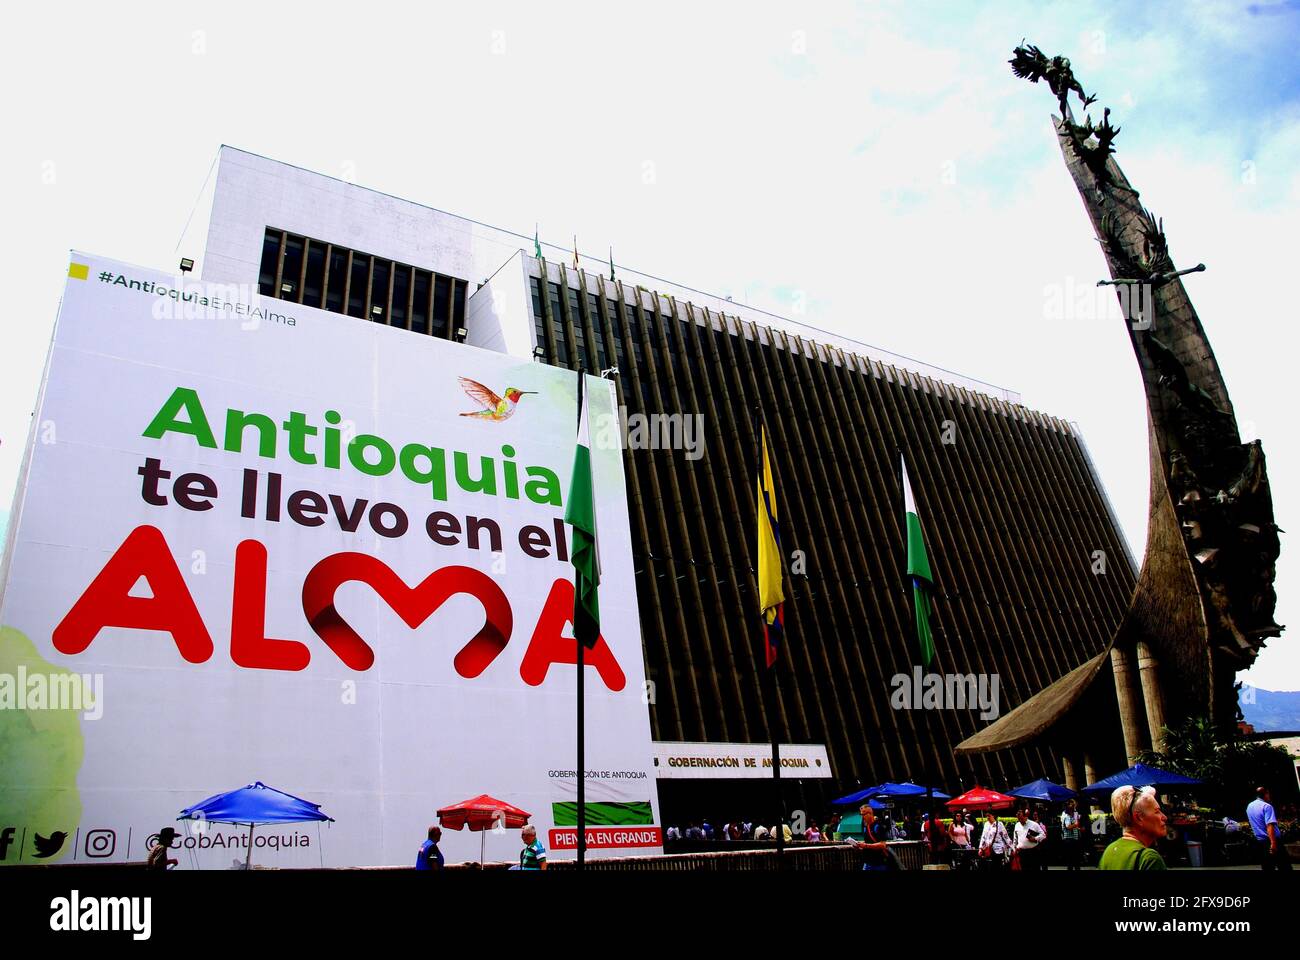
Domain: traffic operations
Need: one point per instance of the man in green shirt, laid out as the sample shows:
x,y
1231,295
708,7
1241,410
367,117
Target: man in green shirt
x,y
1137,810
533,856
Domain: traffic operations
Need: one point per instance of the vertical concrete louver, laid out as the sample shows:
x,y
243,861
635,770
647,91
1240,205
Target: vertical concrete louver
x,y
1010,507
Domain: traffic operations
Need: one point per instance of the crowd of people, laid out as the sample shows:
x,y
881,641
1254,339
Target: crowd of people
x,y
907,826
964,842
983,840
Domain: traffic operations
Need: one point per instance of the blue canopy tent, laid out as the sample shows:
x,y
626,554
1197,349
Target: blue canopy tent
x,y
1138,775
1043,789
903,791
254,804
860,798
890,791
857,797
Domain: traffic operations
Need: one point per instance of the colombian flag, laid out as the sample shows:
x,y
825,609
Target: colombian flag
x,y
771,598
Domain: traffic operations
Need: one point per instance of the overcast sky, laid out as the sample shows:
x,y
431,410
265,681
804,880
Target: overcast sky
x,y
875,166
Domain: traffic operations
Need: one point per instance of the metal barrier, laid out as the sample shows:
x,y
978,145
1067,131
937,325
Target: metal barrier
x,y
828,857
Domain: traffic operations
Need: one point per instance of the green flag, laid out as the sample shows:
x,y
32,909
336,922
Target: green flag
x,y
611,263
918,571
581,515
537,242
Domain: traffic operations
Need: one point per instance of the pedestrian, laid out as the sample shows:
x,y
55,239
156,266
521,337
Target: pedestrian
x,y
959,831
833,827
913,826
1028,835
995,843
430,857
1267,831
879,856
812,834
936,839
1138,812
1071,835
157,858
760,832
959,835
533,855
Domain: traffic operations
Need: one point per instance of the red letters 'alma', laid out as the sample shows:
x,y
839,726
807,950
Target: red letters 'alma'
x,y
249,644
549,645
107,601
413,604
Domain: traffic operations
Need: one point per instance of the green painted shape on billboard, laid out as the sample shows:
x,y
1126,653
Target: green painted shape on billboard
x,y
40,756
604,813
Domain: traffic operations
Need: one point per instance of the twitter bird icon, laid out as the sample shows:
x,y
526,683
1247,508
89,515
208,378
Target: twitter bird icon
x,y
47,847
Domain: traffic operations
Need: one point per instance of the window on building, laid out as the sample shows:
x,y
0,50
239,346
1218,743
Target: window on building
x,y
616,325
598,327
420,301
557,324
313,286
441,306
271,245
320,274
338,280
458,302
634,331
539,319
357,288
379,276
651,334
401,291
574,320
291,275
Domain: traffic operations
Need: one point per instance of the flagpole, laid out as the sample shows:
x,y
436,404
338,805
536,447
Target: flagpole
x,y
929,724
771,688
582,764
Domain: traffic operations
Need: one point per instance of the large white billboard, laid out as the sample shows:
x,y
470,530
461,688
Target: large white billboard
x,y
269,543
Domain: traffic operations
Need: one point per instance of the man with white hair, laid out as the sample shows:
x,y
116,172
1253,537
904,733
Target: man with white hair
x,y
533,856
1137,810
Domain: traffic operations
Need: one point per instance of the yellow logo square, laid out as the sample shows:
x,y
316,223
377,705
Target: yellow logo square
x,y
78,271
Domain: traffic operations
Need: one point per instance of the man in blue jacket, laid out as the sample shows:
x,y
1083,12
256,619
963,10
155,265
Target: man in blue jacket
x,y
430,857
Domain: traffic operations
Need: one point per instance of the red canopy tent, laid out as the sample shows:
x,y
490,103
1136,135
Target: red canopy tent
x,y
482,813
982,799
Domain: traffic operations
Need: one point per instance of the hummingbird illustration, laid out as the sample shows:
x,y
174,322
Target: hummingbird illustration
x,y
494,407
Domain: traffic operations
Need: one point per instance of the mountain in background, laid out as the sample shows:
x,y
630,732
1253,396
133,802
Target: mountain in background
x,y
1272,710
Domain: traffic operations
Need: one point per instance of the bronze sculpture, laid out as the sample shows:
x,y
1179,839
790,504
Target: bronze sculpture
x,y
1204,602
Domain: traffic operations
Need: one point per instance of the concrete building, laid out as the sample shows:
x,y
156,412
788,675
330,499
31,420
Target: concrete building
x,y
1032,572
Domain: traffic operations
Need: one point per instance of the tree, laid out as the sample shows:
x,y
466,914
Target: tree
x,y
1231,769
